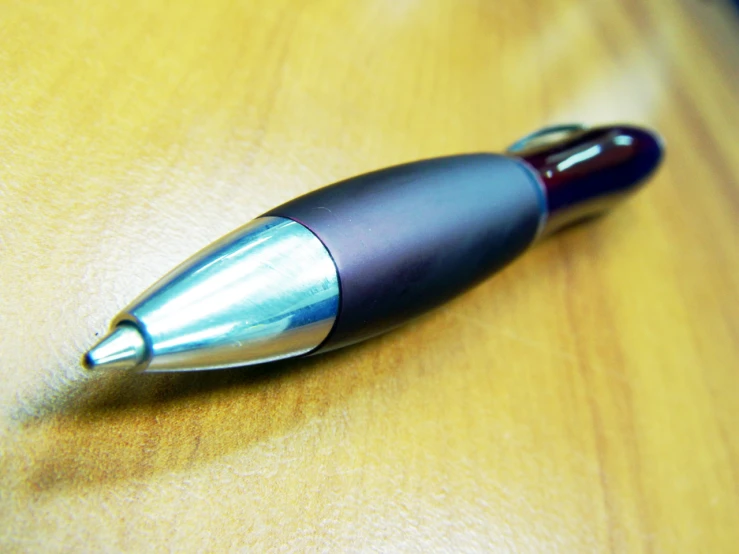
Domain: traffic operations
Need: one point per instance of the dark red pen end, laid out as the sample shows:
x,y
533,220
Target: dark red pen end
x,y
590,170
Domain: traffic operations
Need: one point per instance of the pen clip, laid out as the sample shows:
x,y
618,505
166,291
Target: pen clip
x,y
546,135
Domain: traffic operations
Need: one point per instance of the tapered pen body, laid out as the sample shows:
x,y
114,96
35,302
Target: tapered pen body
x,y
267,291
360,257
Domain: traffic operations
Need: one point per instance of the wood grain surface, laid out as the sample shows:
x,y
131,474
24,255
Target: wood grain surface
x,y
583,400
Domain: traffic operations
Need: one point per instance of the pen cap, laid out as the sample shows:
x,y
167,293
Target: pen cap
x,y
590,170
408,238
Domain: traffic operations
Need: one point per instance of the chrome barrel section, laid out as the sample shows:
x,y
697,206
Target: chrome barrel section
x,y
267,291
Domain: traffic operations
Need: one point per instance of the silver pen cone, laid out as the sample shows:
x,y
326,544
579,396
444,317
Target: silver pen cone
x,y
123,349
264,292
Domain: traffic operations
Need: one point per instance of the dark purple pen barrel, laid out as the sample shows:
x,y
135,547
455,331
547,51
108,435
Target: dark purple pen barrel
x,y
408,238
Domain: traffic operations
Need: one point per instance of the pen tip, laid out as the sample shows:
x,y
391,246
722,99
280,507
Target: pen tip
x,y
123,349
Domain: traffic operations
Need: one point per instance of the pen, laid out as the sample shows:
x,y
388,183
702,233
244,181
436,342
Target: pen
x,y
355,259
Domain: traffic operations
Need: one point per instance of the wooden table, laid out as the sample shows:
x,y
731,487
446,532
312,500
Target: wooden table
x,y
583,400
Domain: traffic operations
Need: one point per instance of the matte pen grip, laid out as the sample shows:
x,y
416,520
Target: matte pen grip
x,y
408,238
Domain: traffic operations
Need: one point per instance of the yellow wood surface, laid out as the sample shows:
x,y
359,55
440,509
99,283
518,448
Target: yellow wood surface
x,y
584,400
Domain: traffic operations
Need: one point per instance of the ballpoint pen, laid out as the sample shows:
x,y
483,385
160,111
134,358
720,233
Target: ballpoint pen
x,y
355,259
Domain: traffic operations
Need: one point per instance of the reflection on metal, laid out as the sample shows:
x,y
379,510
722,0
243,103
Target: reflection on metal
x,y
267,291
544,136
123,349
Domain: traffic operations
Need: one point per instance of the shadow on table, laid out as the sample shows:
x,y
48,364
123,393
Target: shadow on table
x,y
133,426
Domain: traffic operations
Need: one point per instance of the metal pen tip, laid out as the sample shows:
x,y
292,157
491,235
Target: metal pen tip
x,y
123,349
